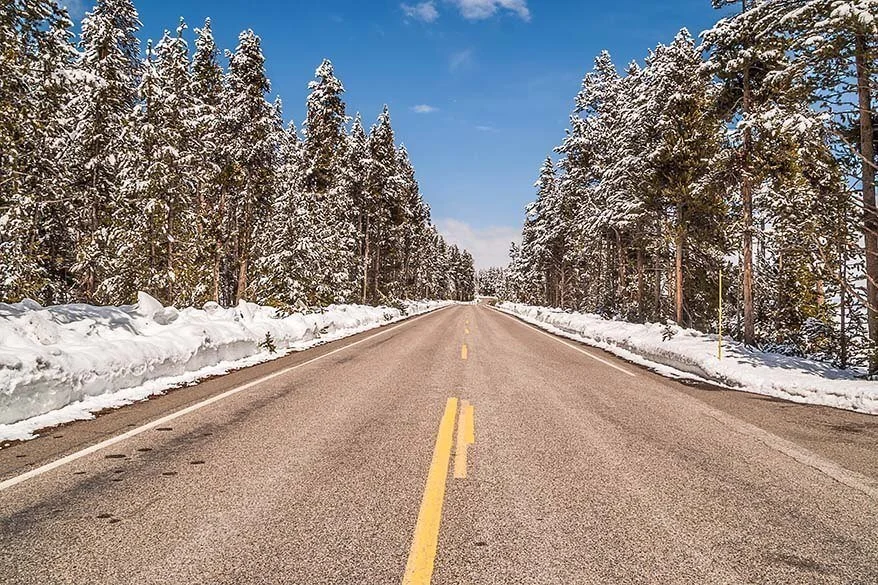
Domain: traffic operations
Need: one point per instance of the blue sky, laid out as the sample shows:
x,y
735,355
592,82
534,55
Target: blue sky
x,y
497,79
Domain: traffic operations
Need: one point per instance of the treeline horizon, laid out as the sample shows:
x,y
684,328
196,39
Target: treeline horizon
x,y
173,174
750,157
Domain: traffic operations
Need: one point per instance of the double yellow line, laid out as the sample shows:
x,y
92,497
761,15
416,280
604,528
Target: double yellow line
x,y
422,555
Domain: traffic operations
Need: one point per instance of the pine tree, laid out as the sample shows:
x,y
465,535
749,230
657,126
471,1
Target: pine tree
x,y
750,64
279,267
101,105
685,138
251,126
324,130
35,75
356,163
382,187
208,163
413,230
161,182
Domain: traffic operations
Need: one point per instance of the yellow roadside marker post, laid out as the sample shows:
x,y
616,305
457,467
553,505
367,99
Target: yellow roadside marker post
x,y
719,349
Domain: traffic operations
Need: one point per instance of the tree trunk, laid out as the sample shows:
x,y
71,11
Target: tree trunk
x,y
621,267
842,276
870,220
377,273
640,281
747,204
242,277
657,270
219,249
678,267
169,291
243,255
217,252
366,252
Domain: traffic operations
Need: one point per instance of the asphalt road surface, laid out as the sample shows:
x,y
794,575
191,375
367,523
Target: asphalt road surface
x,y
462,447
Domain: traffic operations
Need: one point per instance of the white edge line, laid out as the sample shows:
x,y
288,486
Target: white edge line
x,y
562,342
13,481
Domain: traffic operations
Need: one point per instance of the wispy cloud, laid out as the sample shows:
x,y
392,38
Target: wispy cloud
x,y
460,59
75,8
424,109
489,246
424,11
482,128
482,9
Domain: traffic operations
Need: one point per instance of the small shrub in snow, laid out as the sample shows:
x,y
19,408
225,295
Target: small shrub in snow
x,y
268,343
398,305
668,331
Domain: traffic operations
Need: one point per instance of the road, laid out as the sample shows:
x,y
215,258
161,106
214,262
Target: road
x,y
345,464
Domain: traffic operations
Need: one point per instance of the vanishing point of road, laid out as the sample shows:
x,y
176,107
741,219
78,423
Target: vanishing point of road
x,y
458,447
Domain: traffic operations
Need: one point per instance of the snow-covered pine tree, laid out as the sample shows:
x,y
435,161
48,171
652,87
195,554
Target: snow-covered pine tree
x,y
109,69
162,183
749,62
382,186
326,210
279,268
631,219
251,129
412,232
528,260
586,154
466,277
324,130
552,226
208,136
35,76
356,163
140,183
685,136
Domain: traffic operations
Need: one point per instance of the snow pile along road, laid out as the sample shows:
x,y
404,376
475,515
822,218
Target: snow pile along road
x,y
65,362
692,354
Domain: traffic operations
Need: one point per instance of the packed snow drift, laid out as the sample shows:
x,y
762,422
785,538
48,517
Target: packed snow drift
x,y
691,354
66,362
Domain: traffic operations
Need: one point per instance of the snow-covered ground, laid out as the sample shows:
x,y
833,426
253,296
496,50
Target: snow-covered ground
x,y
63,363
692,354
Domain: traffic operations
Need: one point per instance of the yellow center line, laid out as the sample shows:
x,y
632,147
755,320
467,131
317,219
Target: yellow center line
x,y
419,568
463,352
465,437
466,330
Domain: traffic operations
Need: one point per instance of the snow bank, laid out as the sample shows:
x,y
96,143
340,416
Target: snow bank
x,y
692,354
65,362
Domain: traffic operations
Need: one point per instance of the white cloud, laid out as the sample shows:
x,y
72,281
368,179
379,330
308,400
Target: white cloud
x,y
482,9
489,246
424,109
425,11
460,59
486,129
